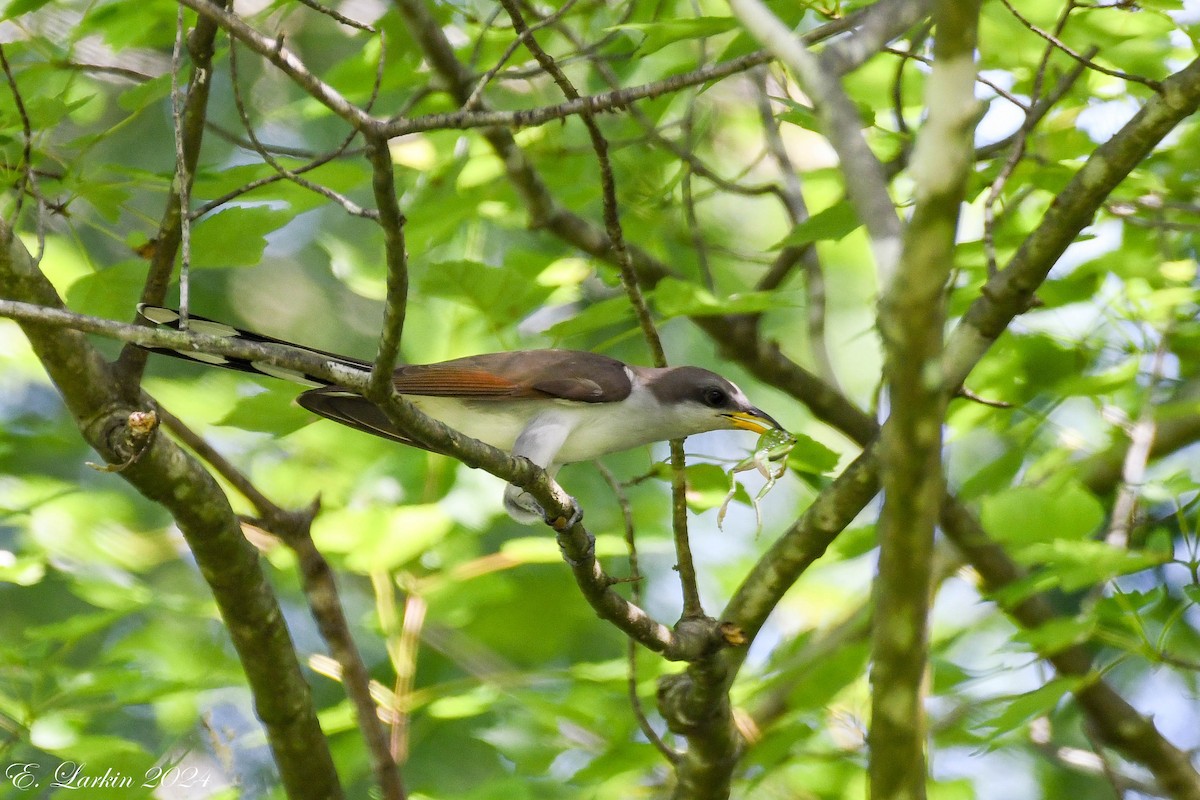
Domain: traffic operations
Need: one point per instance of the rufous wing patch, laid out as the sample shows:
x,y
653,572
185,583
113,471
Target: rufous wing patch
x,y
437,380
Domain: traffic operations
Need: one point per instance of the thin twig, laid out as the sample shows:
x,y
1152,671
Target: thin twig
x,y
612,223
1133,471
183,176
792,194
27,182
909,55
289,63
189,123
918,35
597,103
391,219
476,97
340,151
334,14
104,69
405,662
1080,57
1037,112
635,581
654,133
350,207
26,138
1021,137
687,135
320,589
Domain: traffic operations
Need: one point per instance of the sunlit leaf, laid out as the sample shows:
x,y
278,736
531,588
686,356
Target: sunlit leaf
x,y
1019,710
1028,514
832,224
677,298
235,237
661,33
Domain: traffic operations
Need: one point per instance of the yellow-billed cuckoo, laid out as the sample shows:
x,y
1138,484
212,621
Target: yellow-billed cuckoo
x,y
553,407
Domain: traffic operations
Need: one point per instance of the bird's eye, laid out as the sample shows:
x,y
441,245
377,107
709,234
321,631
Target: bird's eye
x,y
715,398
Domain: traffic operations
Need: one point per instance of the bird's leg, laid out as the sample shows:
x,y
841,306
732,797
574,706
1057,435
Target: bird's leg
x,y
521,506
540,442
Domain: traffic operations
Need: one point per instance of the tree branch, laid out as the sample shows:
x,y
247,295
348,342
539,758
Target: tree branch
x,y
735,336
1010,291
473,115
189,133
866,182
320,588
1117,723
395,309
1102,472
287,62
576,542
101,406
911,322
796,549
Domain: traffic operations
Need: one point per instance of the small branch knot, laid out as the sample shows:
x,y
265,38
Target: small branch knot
x,y
128,437
698,637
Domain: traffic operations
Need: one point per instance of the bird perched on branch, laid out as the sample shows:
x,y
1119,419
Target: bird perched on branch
x,y
552,407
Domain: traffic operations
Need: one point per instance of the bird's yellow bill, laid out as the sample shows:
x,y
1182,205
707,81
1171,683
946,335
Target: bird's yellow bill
x,y
755,420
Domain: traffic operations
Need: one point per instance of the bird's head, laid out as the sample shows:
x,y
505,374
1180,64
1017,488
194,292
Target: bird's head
x,y
704,401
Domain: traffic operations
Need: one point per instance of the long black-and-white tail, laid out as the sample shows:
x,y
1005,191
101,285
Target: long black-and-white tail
x,y
170,318
329,401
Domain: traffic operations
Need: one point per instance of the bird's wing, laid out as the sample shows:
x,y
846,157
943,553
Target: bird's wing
x,y
354,411
453,379
560,374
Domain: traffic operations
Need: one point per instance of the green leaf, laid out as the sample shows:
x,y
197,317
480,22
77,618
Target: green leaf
x,y
111,293
707,486
1080,565
664,32
144,94
380,538
22,571
18,7
597,316
236,236
273,411
853,542
811,457
73,629
832,224
992,475
1019,710
108,198
1103,382
502,294
802,116
1052,511
678,298
1058,634
473,702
